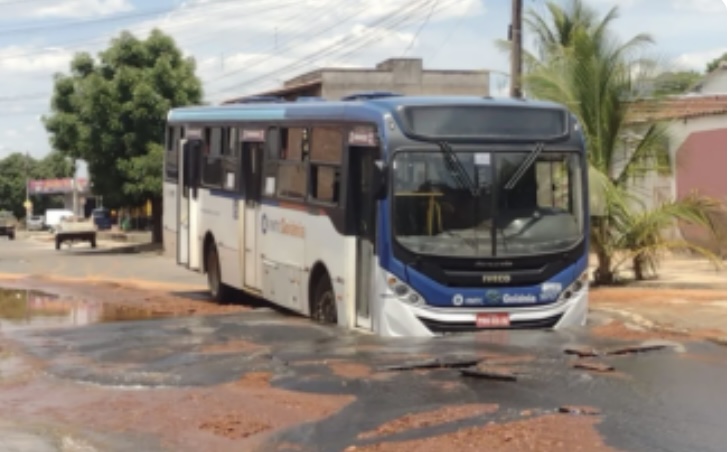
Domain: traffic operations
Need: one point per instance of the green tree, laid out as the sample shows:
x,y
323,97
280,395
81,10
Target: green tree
x,y
17,168
582,65
713,65
111,113
674,82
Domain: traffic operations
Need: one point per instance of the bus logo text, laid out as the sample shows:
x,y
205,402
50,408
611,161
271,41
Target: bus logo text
x,y
282,226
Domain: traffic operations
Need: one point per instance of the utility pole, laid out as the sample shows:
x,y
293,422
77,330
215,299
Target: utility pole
x,y
75,191
516,37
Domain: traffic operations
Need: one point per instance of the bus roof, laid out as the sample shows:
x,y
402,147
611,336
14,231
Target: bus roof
x,y
358,110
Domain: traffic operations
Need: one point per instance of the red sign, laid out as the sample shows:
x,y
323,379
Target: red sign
x,y
495,320
47,186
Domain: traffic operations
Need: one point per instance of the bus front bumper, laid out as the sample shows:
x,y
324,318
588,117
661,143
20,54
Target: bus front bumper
x,y
397,318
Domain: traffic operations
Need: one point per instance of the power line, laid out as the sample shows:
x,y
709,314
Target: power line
x,y
78,44
318,54
417,33
114,18
322,30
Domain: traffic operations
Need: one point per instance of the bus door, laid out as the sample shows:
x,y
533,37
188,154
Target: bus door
x,y
362,198
188,251
252,159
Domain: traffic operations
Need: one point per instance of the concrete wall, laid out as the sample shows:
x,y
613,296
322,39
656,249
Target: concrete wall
x,y
406,77
714,83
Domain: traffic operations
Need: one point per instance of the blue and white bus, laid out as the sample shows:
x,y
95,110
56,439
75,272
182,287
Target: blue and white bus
x,y
404,216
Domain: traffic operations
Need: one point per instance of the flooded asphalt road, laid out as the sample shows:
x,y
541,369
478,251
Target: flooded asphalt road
x,y
670,398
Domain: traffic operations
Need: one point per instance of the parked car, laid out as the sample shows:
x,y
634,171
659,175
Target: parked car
x,y
102,218
8,222
35,223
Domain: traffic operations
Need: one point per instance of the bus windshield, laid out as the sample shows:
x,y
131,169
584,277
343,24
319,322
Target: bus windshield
x,y
539,211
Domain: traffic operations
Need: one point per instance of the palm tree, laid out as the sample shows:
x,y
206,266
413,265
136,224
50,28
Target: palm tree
x,y
581,65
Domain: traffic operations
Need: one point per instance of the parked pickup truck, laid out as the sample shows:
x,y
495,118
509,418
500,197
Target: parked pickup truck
x,y
74,229
7,224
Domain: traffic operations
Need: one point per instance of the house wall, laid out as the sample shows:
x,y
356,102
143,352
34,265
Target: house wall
x,y
698,154
714,83
701,167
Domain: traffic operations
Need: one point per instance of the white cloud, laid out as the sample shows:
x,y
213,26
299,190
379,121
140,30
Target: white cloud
x,y
64,8
697,60
28,60
11,133
699,6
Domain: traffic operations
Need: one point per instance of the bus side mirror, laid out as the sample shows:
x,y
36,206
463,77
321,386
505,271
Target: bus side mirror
x,y
379,180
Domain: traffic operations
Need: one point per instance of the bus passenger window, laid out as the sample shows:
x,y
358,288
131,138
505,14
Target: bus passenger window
x,y
325,183
291,181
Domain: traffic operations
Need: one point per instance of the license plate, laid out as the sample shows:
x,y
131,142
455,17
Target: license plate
x,y
496,320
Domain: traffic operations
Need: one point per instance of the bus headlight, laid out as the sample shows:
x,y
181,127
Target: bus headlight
x,y
403,291
576,286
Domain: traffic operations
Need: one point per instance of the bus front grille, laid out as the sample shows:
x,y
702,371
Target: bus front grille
x,y
437,326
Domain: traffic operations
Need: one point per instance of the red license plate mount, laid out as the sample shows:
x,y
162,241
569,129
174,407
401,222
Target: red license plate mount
x,y
493,320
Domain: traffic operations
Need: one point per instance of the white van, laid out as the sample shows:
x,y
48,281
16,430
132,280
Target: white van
x,y
53,217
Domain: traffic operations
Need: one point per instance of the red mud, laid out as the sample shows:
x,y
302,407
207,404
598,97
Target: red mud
x,y
618,330
428,419
151,299
235,416
560,433
350,370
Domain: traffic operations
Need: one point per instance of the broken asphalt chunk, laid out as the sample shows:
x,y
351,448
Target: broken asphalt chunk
x,y
629,349
489,373
593,365
581,410
581,350
437,363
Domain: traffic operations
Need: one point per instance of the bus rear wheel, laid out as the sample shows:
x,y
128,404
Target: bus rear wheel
x,y
219,291
323,305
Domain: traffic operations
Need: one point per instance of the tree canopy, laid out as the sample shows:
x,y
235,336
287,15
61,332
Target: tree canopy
x,y
675,82
110,111
17,168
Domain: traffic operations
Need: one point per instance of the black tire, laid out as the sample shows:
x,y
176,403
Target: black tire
x,y
11,236
93,242
220,292
323,305
58,244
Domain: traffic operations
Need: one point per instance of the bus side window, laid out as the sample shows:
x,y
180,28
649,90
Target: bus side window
x,y
291,177
326,151
270,166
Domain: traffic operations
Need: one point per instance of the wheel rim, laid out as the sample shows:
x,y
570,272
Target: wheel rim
x,y
327,307
213,279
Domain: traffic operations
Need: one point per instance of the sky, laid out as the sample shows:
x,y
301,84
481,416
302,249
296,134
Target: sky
x,y
245,46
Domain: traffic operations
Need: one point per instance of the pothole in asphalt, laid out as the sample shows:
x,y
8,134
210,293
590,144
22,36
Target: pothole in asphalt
x,y
21,309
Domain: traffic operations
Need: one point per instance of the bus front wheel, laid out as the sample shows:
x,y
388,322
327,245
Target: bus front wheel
x,y
219,291
324,301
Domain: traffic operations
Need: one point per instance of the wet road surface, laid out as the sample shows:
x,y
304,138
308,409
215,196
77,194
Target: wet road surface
x,y
260,380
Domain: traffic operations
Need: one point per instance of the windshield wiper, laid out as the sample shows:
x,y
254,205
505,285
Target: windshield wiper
x,y
524,166
456,168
